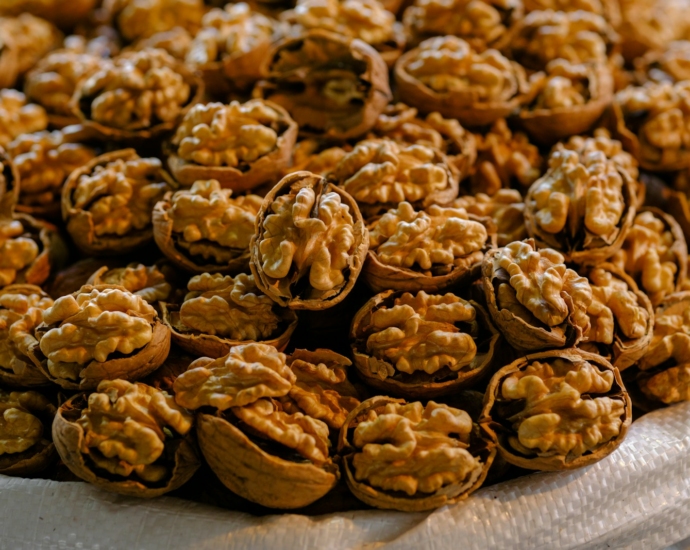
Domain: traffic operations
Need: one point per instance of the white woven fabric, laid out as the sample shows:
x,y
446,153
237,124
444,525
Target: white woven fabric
x,y
639,497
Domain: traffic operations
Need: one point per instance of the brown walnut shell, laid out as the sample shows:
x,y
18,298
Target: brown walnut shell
x,y
134,366
480,445
80,222
301,300
421,385
68,436
52,10
500,428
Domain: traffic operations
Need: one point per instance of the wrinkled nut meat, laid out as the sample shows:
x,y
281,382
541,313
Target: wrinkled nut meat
x,y
310,243
332,85
481,24
30,38
206,229
176,42
108,203
242,145
316,156
99,332
411,457
557,410
128,438
145,281
426,250
505,208
143,18
21,311
220,311
18,117
445,74
533,298
583,206
381,173
655,254
670,64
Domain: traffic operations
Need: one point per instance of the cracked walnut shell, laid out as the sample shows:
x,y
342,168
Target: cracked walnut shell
x,y
421,345
309,244
127,438
241,145
557,410
411,457
99,333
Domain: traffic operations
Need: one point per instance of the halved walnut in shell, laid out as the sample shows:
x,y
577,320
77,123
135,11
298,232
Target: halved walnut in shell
x,y
332,86
127,438
26,445
220,312
261,440
411,457
421,345
667,64
241,145
149,282
557,410
310,243
534,300
506,208
107,204
381,173
205,229
99,333
445,74
429,250
21,311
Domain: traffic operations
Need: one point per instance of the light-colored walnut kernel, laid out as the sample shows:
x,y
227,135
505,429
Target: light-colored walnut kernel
x,y
143,18
612,148
19,428
31,37
248,373
17,250
127,424
670,64
92,326
176,42
506,209
415,449
564,85
18,117
310,155
145,281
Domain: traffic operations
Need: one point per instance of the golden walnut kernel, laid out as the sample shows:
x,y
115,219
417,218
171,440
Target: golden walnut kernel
x,y
506,209
145,281
19,117
228,307
44,160
176,42
136,91
30,37
249,372
17,250
232,135
93,326
415,449
314,155
126,423
612,148
418,333
120,195
19,428
670,64
143,18
562,415
433,240
564,85
209,223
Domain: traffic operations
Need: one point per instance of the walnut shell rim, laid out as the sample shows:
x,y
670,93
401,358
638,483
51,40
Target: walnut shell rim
x,y
390,500
210,345
133,367
68,437
356,259
427,388
80,222
556,462
249,471
265,169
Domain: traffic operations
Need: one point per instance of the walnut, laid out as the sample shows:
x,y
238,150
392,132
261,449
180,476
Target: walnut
x,y
668,64
44,160
108,202
30,37
654,254
18,117
445,74
483,24
140,94
333,99
381,173
583,206
128,438
99,332
652,122
143,18
21,311
307,232
316,156
206,229
505,208
426,250
533,298
557,410
433,453
242,145
175,42
609,10
147,282
17,250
